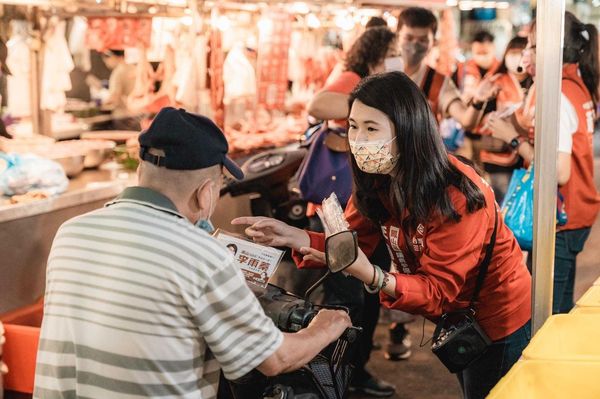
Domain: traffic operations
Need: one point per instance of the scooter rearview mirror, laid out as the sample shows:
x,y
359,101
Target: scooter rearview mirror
x,y
341,250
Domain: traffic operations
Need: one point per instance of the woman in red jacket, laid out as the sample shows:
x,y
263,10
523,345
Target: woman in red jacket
x,y
436,216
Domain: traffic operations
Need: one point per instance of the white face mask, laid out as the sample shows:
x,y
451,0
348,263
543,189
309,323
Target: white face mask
x,y
374,156
394,64
513,62
484,60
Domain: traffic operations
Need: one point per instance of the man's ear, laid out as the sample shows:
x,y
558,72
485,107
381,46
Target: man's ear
x,y
201,199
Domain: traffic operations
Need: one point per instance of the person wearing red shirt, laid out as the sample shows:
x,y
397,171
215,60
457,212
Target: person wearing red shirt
x,y
575,159
436,216
417,28
368,55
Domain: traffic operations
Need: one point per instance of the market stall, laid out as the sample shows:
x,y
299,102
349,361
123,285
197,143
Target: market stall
x,y
252,67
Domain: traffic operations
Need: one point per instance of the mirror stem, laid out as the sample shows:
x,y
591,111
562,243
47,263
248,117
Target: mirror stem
x,y
315,286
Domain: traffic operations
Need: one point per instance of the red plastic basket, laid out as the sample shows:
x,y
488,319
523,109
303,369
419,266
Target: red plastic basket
x,y
22,332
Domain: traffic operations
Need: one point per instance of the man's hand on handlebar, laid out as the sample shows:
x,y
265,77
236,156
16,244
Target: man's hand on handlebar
x,y
300,348
334,322
273,232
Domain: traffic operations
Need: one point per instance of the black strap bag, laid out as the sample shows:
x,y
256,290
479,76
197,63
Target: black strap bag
x,y
459,340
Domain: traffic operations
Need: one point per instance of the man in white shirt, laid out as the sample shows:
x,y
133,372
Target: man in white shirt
x,y
141,302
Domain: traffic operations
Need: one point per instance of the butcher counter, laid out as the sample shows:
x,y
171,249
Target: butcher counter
x,y
27,230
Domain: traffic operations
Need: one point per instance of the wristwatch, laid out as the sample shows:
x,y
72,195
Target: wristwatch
x,y
478,105
516,142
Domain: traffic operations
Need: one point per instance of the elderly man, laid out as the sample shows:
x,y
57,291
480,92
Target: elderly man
x,y
141,302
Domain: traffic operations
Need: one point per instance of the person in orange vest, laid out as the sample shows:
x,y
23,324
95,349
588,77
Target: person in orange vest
x,y
482,65
575,167
417,28
499,160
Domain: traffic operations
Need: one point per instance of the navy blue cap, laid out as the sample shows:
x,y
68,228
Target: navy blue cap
x,y
189,141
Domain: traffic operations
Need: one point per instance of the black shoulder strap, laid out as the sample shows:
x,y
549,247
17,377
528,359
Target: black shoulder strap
x,y
485,263
428,81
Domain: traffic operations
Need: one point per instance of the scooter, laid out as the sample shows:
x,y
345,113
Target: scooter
x,y
269,176
328,375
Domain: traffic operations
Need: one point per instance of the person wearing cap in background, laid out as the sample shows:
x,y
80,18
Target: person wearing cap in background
x,y
141,301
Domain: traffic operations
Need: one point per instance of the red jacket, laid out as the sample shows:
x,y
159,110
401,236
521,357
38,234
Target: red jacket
x,y
582,202
442,277
510,93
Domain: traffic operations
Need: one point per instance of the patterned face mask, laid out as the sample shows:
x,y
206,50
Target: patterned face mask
x,y
374,156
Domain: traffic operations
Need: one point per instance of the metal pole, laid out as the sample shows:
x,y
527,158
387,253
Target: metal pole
x,y
549,39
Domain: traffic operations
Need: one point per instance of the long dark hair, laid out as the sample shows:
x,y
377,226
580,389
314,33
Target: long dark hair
x,y
368,50
581,47
517,42
423,172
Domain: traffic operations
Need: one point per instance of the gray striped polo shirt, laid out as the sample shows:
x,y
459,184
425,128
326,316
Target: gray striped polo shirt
x,y
141,303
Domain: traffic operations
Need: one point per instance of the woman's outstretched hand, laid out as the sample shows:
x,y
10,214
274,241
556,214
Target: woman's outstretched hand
x,y
273,232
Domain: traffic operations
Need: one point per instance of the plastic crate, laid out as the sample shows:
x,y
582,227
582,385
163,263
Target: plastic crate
x,y
566,337
591,298
22,332
541,379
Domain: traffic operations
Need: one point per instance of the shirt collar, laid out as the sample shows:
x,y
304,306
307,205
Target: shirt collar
x,y
147,197
419,74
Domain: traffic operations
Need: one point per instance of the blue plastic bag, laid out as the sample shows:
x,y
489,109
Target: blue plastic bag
x,y
23,173
452,133
517,207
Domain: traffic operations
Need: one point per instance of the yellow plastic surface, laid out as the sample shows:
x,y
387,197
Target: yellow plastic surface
x,y
597,282
591,297
537,379
586,310
567,337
